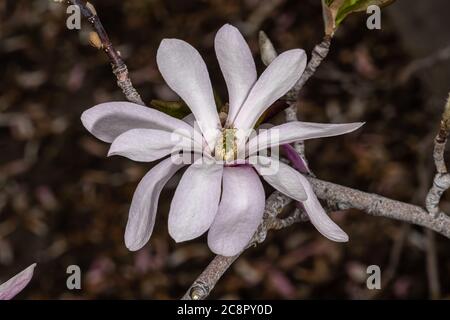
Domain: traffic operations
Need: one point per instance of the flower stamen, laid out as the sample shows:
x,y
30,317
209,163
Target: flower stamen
x,y
226,147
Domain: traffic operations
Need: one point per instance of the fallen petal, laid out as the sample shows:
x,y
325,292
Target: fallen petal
x,y
16,284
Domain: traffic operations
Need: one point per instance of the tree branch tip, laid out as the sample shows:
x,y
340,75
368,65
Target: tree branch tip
x,y
91,8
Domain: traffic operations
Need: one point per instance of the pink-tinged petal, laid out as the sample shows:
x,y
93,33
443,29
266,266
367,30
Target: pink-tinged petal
x,y
282,177
296,160
16,284
185,72
195,202
237,65
148,145
144,205
240,211
298,131
108,120
280,76
318,216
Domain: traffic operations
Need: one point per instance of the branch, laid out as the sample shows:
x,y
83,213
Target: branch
x,y
335,195
376,205
441,181
119,67
343,198
319,53
207,280
203,285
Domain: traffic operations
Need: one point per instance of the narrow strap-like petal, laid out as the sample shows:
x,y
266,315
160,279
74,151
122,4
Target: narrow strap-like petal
x,y
240,211
190,120
148,145
318,216
237,65
282,177
195,202
16,284
144,205
106,121
297,131
185,72
276,80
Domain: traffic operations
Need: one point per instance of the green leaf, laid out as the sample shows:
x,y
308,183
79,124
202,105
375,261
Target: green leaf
x,y
335,11
177,109
351,6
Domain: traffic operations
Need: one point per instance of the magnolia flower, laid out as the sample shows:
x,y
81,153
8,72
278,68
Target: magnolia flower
x,y
222,196
13,286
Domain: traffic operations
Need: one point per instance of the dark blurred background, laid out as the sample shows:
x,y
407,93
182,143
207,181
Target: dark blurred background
x,y
62,202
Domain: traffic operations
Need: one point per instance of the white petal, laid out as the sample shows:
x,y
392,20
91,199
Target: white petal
x,y
148,145
185,72
240,211
237,65
107,121
144,205
295,131
318,216
195,202
13,286
282,177
190,119
280,76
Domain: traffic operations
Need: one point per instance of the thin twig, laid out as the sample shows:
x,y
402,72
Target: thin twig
x,y
425,63
207,280
431,255
119,67
343,198
441,181
319,53
268,54
376,205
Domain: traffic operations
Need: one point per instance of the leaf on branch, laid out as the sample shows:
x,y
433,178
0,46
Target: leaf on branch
x,y
335,11
177,109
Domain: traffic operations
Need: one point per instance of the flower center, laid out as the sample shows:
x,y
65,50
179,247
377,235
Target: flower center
x,y
226,147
